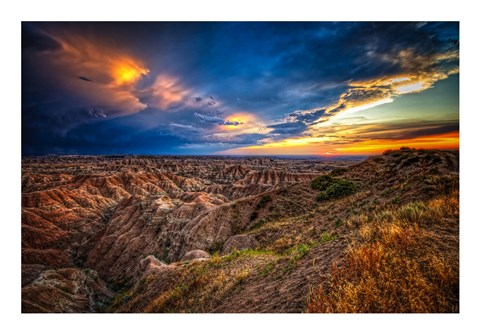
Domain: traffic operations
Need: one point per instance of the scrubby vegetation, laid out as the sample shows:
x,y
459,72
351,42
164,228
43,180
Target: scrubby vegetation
x,y
332,188
322,182
258,224
338,171
263,201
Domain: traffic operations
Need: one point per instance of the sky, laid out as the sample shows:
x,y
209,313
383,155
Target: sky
x,y
239,88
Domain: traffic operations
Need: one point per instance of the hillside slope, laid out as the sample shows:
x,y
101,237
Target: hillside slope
x,y
151,235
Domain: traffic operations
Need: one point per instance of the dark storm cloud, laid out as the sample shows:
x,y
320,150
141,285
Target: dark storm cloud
x,y
361,51
429,131
307,117
109,136
189,77
399,130
290,128
35,39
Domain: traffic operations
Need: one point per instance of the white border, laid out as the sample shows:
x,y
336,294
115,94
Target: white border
x,y
250,10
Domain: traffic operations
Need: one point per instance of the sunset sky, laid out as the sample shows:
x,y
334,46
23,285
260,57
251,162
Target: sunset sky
x,y
248,88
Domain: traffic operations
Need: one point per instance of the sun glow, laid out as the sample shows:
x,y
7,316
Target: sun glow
x,y
309,145
127,72
239,121
442,141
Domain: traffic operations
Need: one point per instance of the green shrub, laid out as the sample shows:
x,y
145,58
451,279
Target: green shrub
x,y
268,269
325,237
337,189
337,171
322,196
258,224
302,250
263,201
340,188
322,182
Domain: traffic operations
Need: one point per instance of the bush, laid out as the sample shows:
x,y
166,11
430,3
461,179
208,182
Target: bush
x,y
410,161
337,171
337,189
263,201
325,237
322,182
340,188
322,196
258,224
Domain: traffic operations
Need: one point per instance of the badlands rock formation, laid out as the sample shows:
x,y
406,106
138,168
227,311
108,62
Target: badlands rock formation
x,y
108,215
205,234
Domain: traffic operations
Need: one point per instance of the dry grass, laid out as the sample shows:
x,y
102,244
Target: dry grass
x,y
204,285
395,264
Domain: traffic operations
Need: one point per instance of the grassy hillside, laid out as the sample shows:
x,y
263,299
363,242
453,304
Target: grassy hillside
x,y
380,236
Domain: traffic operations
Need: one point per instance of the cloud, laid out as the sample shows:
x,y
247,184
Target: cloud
x,y
210,119
290,128
211,101
362,139
85,79
85,75
96,113
35,39
362,95
423,130
281,81
167,92
305,116
389,60
217,120
234,123
242,139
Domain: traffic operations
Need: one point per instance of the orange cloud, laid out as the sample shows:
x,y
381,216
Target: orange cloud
x,y
241,123
420,73
112,74
167,91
